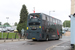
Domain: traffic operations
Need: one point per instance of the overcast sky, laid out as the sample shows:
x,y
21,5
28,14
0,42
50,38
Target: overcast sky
x,y
11,9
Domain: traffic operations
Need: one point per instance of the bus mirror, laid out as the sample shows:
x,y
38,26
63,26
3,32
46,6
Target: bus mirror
x,y
70,16
74,14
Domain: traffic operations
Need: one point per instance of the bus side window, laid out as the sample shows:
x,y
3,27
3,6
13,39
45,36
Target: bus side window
x,y
56,21
43,17
59,22
50,19
46,18
53,20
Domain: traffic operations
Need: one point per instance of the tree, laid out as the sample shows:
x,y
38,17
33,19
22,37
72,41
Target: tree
x,y
66,23
23,19
7,24
0,23
15,24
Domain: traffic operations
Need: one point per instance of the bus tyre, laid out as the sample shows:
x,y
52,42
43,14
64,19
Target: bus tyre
x,y
58,37
47,38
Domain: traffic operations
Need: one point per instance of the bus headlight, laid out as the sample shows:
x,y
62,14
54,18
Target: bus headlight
x,y
27,28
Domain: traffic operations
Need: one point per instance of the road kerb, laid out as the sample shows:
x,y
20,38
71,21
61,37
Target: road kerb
x,y
49,48
14,40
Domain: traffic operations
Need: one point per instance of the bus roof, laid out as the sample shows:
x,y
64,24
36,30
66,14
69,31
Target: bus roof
x,y
45,14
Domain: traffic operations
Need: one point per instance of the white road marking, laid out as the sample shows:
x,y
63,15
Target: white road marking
x,y
49,48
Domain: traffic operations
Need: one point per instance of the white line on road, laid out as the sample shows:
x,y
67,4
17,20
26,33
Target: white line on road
x,y
49,48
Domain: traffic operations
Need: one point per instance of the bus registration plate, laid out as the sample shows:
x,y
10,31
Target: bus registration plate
x,y
33,38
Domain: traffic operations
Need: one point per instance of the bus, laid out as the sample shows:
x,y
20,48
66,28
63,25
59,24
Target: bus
x,y
43,27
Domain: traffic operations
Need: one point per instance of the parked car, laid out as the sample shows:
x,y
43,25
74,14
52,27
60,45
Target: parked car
x,y
15,30
11,29
3,30
8,28
63,32
0,29
69,29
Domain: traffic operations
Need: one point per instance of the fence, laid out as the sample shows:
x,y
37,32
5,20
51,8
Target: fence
x,y
10,35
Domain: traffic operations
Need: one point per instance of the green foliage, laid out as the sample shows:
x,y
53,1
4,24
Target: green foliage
x,y
23,19
7,24
15,24
0,23
66,23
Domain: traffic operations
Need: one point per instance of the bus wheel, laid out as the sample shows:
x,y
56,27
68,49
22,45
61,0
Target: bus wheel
x,y
58,37
47,38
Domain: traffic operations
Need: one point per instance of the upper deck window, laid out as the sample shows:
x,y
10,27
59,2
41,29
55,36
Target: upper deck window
x,y
56,21
43,17
34,16
50,19
47,18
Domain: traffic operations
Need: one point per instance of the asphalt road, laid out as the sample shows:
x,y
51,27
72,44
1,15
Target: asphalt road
x,y
31,45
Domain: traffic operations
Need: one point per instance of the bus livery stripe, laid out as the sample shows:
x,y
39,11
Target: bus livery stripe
x,y
57,32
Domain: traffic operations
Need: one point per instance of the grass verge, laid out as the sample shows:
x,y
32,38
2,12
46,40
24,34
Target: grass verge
x,y
10,35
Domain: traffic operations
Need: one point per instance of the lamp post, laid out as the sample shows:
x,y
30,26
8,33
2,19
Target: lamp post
x,y
51,11
7,19
34,10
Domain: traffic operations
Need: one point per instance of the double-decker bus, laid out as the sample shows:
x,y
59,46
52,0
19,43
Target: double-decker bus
x,y
43,27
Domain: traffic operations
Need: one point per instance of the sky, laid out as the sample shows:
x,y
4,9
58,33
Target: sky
x,y
12,8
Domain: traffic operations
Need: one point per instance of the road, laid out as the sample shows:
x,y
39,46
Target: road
x,y
32,45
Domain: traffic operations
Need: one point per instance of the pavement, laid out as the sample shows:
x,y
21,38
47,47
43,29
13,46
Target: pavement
x,y
12,40
63,46
67,33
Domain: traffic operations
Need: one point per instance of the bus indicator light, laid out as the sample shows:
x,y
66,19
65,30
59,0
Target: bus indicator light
x,y
27,28
39,26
